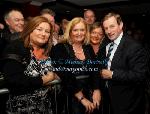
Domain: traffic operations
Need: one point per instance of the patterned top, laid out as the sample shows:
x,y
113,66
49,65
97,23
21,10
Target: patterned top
x,y
37,102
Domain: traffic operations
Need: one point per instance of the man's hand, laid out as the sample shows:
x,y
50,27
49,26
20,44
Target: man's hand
x,y
106,74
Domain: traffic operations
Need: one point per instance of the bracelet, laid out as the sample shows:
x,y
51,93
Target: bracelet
x,y
81,99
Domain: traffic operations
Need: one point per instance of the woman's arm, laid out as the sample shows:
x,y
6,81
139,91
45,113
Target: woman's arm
x,y
85,102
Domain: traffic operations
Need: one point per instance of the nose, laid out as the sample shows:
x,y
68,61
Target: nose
x,y
108,30
79,32
97,35
22,22
43,33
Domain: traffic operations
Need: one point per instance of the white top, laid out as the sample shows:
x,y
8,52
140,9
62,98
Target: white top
x,y
116,43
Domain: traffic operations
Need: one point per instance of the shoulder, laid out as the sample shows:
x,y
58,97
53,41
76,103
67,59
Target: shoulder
x,y
59,49
133,47
16,47
89,50
16,51
87,46
105,42
59,46
4,32
129,42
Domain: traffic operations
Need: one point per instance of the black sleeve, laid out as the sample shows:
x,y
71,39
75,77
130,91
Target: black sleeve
x,y
2,45
94,68
136,63
14,75
59,55
14,69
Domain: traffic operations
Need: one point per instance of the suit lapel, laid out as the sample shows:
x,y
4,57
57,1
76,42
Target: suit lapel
x,y
118,52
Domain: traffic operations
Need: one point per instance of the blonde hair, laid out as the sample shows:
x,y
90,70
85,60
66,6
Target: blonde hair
x,y
70,26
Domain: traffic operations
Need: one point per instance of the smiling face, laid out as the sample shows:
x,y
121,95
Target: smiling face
x,y
40,34
89,17
96,36
112,28
15,21
78,33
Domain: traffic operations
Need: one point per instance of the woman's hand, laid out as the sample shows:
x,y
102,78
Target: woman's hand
x,y
96,98
50,76
89,106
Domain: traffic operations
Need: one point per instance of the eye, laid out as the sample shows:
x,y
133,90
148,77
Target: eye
x,y
112,26
39,29
47,31
17,19
74,30
96,33
93,33
82,30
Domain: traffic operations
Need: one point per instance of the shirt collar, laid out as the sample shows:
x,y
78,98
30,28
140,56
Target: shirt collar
x,y
117,41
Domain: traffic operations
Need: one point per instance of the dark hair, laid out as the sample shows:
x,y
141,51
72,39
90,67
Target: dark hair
x,y
94,26
47,11
112,14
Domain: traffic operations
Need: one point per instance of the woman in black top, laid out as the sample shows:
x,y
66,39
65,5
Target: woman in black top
x,y
73,60
99,42
27,68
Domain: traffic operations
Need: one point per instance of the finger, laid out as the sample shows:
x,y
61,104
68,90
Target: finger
x,y
95,104
92,107
89,109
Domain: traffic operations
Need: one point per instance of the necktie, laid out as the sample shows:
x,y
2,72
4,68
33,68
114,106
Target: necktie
x,y
107,59
109,52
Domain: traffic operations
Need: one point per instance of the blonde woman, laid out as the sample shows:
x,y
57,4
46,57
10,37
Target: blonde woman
x,y
73,62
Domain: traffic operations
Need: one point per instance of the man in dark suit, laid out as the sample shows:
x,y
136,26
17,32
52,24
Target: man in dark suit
x,y
126,69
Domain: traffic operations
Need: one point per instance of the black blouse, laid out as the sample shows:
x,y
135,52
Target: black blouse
x,y
68,67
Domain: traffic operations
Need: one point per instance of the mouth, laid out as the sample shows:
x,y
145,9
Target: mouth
x,y
79,37
111,35
42,38
95,38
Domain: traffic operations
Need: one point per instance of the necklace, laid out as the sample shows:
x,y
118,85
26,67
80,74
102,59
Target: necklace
x,y
77,51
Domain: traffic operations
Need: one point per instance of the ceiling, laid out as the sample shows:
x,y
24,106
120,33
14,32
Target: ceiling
x,y
76,7
76,2
91,2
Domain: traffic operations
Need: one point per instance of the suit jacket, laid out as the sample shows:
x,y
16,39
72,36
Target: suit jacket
x,y
126,88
